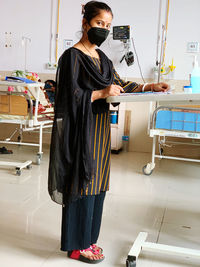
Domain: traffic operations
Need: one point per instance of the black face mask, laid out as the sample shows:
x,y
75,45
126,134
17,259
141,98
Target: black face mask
x,y
97,35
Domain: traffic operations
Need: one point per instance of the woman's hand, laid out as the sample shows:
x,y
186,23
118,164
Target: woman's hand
x,y
113,90
160,87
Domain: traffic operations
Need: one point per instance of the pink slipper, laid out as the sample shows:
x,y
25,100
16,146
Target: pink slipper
x,y
77,255
96,248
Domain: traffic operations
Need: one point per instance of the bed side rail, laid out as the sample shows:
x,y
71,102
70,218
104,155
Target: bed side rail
x,y
181,109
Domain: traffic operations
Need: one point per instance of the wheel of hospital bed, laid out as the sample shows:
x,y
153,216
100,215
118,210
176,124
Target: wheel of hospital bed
x,y
29,167
146,170
130,263
18,172
38,158
19,138
161,151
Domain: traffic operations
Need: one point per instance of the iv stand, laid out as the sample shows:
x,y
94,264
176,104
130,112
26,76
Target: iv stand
x,y
159,74
162,50
25,41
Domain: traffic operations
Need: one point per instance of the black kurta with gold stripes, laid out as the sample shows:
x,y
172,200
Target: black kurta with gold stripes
x,y
101,140
80,145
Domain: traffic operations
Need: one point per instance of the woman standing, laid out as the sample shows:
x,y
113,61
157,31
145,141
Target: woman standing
x,y
79,166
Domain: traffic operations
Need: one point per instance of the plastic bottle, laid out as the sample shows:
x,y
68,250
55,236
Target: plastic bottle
x,y
113,117
187,89
125,139
155,74
195,77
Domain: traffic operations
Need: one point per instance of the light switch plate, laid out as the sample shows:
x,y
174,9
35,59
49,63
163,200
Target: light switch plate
x,y
67,43
193,47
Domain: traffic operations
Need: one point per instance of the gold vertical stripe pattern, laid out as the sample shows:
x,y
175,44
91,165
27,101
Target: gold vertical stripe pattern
x,y
94,152
95,136
102,154
97,173
118,80
101,149
108,153
107,133
98,63
107,175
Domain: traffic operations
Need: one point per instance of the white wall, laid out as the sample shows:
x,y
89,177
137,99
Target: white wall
x,y
184,21
29,18
33,19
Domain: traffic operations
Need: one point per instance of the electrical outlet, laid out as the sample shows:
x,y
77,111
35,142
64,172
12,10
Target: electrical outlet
x,y
193,47
67,43
8,39
51,66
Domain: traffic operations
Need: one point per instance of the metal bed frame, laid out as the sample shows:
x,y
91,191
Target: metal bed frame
x,y
164,101
162,134
32,123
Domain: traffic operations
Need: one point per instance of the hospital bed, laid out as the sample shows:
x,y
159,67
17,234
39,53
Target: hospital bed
x,y
182,122
14,110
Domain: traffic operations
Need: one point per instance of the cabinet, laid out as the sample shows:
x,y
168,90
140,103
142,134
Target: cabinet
x,y
117,129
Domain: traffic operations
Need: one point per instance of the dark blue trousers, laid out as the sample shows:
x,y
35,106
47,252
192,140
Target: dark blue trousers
x,y
81,222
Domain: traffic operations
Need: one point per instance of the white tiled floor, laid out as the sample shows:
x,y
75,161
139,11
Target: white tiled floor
x,y
165,204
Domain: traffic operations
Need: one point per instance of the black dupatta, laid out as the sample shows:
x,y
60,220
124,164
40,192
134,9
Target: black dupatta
x,y
71,163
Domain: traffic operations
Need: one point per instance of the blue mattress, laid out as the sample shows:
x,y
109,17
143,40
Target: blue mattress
x,y
176,120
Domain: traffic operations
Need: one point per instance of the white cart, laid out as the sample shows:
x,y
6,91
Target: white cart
x,y
167,100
